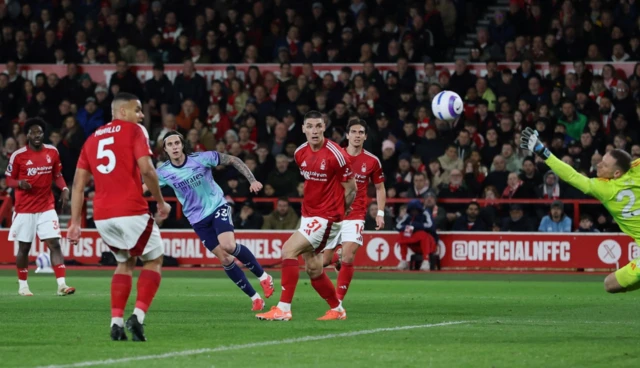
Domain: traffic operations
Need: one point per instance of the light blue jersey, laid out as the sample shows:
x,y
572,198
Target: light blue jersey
x,y
193,184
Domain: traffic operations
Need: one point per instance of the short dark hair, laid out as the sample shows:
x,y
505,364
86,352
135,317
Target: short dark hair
x,y
473,203
34,121
125,96
312,114
357,121
283,199
623,159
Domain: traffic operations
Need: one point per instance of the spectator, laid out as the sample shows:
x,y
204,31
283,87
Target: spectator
x,y
247,218
188,114
450,160
283,179
90,117
586,224
282,218
470,221
556,221
417,232
572,120
420,187
370,219
517,221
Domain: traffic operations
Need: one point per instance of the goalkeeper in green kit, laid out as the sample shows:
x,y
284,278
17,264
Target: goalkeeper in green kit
x,y
617,187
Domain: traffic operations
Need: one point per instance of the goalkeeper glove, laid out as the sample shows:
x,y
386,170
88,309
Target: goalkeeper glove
x,y
530,141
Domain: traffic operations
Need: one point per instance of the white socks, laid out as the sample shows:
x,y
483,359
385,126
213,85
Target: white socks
x,y
140,314
119,321
285,307
61,281
338,308
23,284
255,296
264,276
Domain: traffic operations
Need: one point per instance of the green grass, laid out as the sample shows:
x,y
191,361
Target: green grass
x,y
511,321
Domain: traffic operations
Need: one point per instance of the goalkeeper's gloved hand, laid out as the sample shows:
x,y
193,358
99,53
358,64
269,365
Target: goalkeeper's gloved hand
x,y
530,141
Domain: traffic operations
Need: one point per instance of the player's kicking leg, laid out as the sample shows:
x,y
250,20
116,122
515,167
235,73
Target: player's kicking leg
x,y
298,244
625,279
57,261
243,254
22,265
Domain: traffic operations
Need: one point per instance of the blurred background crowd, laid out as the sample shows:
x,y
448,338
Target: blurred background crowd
x,y
257,114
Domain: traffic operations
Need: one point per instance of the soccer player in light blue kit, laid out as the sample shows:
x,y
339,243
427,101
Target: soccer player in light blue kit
x,y
205,207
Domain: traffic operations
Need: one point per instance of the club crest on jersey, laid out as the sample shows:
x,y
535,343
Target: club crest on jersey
x,y
48,159
323,165
364,167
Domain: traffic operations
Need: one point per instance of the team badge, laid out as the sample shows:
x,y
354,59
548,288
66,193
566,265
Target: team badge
x,y
48,159
323,165
364,168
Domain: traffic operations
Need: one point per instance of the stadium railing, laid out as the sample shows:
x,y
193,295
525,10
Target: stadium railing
x,y
575,203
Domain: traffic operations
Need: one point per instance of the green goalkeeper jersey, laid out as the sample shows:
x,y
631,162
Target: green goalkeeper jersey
x,y
618,196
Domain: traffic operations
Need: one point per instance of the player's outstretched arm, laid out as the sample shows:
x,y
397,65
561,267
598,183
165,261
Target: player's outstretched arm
x,y
255,185
530,141
381,199
151,181
350,190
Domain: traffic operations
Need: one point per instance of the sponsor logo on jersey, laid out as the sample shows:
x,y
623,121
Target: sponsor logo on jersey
x,y
32,171
29,162
304,164
312,175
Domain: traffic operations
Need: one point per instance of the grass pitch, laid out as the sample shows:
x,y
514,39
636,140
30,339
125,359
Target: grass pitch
x,y
200,319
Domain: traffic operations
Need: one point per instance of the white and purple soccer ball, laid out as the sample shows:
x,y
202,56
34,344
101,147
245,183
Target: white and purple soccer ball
x,y
43,261
447,105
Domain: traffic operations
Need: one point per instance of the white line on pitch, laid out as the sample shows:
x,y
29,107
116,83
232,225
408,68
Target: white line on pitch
x,y
250,345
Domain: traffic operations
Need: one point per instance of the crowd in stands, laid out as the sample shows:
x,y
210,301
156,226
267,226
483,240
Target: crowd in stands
x,y
257,115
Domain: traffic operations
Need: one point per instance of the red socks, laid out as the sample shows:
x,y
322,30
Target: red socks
x,y
60,270
148,284
344,279
120,290
290,276
335,258
324,287
22,273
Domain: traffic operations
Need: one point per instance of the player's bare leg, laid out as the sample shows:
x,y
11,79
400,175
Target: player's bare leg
x,y
345,276
148,284
296,245
243,254
332,257
22,265
612,285
57,261
238,277
120,290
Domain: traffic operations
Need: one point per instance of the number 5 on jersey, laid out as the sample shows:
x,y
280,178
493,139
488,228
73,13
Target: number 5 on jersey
x,y
104,152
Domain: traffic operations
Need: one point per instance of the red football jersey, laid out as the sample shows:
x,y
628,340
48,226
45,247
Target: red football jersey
x,y
40,169
110,154
365,166
323,173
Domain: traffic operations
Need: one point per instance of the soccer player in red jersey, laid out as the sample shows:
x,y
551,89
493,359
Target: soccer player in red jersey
x,y
366,167
118,155
31,171
329,191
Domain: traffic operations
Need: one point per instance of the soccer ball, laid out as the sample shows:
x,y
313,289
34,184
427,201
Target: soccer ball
x,y
447,105
44,263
